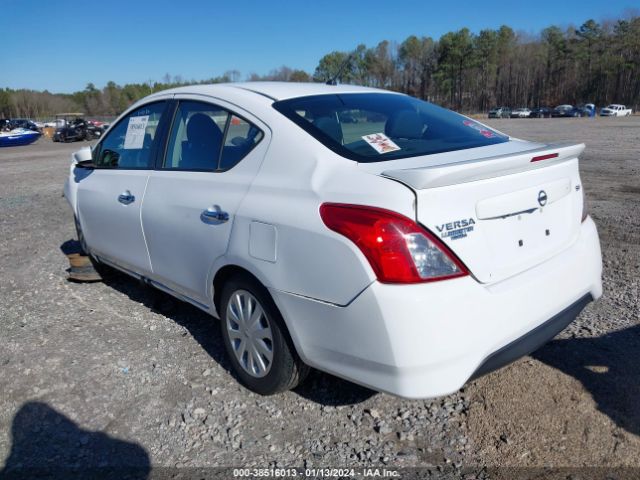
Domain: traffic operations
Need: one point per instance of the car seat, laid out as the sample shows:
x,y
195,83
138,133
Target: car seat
x,y
201,149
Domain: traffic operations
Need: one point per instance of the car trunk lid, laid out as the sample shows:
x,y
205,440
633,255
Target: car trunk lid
x,y
500,213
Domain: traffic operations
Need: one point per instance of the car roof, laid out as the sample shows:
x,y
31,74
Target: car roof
x,y
276,90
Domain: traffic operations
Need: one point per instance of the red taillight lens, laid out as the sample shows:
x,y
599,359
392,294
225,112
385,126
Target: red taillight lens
x,y
398,249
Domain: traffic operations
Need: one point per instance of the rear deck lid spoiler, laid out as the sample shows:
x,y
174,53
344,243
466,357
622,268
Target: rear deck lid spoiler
x,y
486,167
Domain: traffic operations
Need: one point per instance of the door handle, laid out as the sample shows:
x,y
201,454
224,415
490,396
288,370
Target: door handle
x,y
214,215
126,198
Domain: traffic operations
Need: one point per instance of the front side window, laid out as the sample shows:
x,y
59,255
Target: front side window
x,y
128,144
205,137
374,127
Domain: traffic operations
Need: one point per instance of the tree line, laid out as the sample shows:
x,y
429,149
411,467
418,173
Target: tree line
x,y
595,63
471,72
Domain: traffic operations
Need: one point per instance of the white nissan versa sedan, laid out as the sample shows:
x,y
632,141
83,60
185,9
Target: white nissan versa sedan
x,y
365,233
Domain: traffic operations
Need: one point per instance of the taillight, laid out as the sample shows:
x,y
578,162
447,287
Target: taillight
x,y
398,249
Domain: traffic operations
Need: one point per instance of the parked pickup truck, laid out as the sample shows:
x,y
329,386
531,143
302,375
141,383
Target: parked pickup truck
x,y
615,110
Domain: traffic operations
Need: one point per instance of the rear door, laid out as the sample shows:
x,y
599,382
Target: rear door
x,y
212,155
110,196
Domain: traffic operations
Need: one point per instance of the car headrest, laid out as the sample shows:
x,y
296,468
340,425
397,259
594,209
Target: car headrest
x,y
202,130
329,126
404,124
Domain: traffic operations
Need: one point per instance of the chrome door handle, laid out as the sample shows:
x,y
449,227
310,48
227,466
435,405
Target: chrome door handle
x,y
126,198
214,215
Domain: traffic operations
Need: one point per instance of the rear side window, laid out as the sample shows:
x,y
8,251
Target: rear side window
x,y
205,137
374,127
128,144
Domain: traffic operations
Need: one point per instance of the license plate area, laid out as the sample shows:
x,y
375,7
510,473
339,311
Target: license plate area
x,y
522,239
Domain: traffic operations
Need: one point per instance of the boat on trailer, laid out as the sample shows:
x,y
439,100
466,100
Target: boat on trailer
x,y
18,136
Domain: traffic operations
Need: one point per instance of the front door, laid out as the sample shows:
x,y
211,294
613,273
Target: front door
x,y
110,197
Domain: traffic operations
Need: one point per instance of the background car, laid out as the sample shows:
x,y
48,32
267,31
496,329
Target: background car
x,y
541,112
77,130
565,110
520,113
587,110
615,110
500,112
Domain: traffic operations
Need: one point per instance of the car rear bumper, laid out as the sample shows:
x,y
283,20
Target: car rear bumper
x,y
426,340
533,339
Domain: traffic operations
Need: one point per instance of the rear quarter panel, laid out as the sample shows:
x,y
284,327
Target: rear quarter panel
x,y
296,177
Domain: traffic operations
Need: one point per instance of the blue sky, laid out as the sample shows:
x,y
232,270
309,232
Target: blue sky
x,y
63,45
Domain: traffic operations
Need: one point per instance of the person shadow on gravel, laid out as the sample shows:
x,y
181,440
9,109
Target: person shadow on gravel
x,y
609,368
48,445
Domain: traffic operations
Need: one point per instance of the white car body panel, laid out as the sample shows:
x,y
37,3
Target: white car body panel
x,y
492,249
426,340
112,229
415,341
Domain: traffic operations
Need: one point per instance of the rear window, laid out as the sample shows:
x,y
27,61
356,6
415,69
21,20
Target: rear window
x,y
375,127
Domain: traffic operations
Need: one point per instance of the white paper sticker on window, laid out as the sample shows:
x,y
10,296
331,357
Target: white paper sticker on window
x,y
134,138
380,142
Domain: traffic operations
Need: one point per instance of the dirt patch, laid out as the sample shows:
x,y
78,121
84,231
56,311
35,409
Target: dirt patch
x,y
574,402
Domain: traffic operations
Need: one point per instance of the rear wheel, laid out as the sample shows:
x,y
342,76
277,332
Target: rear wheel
x,y
257,341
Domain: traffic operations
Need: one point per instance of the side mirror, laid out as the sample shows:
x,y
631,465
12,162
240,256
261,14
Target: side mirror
x,y
88,164
83,158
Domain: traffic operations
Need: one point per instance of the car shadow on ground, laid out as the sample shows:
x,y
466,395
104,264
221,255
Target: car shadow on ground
x,y
48,445
608,367
319,387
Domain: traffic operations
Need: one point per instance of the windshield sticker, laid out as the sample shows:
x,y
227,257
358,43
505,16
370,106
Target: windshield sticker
x,y
134,139
380,143
482,130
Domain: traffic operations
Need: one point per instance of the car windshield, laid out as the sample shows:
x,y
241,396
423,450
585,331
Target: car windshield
x,y
375,127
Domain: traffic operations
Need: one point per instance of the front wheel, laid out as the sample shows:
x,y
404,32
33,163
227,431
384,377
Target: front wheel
x,y
101,268
256,339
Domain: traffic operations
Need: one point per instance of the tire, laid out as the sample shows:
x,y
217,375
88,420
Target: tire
x,y
99,267
80,235
261,352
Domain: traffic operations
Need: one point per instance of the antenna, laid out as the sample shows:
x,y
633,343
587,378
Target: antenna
x,y
334,80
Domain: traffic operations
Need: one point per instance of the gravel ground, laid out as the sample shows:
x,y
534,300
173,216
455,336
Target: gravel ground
x,y
116,374
575,402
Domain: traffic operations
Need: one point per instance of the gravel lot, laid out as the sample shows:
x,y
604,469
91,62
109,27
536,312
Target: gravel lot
x,y
115,374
